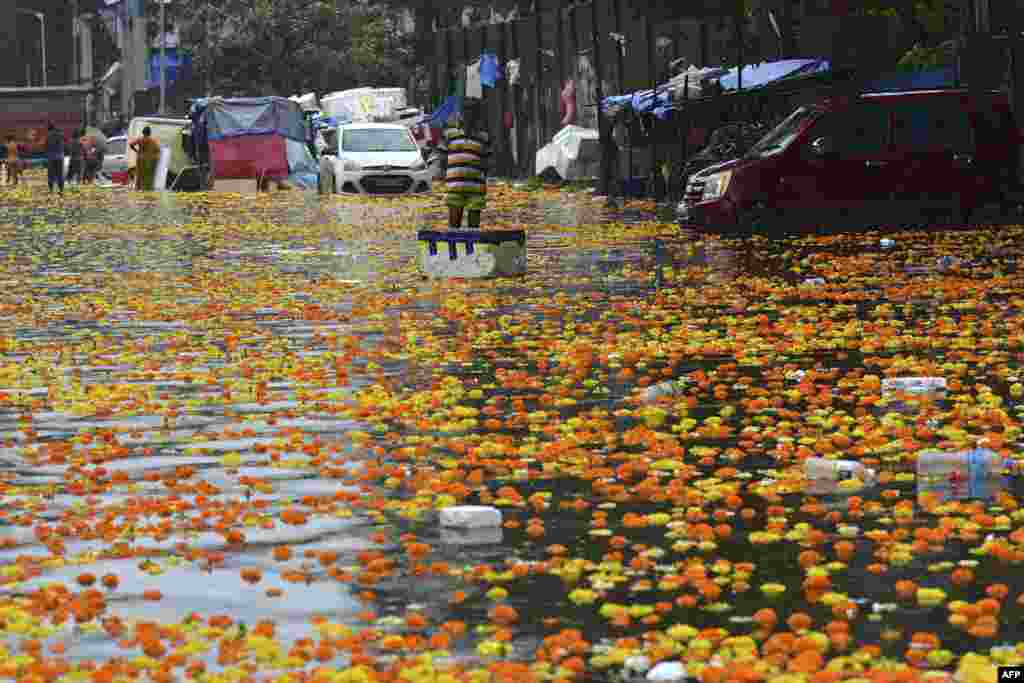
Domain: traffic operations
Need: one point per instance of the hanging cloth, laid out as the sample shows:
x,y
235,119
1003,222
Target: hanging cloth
x,y
490,70
448,108
512,69
569,103
459,85
474,88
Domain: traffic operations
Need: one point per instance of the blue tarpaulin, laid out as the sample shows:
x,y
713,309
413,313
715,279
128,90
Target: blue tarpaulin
x,y
756,75
490,70
451,106
914,80
227,118
178,66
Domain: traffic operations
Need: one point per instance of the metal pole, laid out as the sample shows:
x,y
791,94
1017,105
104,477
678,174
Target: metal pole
x,y
76,37
617,7
560,55
740,12
209,50
126,68
517,101
42,28
652,69
603,131
506,165
163,56
542,112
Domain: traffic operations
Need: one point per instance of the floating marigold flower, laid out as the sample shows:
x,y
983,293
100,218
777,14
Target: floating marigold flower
x,y
251,575
503,615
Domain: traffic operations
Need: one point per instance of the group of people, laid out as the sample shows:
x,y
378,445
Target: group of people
x,y
85,158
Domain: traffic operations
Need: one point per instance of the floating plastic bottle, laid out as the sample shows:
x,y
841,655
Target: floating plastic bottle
x,y
819,469
675,387
977,473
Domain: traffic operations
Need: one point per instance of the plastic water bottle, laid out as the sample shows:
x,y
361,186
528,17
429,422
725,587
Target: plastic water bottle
x,y
670,388
977,473
837,470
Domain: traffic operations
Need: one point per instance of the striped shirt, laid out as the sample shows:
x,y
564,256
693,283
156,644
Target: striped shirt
x,y
467,156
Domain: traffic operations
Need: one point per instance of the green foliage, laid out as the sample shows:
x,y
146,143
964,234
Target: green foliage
x,y
920,58
283,47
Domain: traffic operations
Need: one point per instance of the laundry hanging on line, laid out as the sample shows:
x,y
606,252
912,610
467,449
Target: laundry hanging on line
x,y
490,70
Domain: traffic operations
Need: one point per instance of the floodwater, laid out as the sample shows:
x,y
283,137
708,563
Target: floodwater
x,y
135,428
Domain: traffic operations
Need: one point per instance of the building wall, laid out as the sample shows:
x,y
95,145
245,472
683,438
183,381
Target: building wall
x,y
10,61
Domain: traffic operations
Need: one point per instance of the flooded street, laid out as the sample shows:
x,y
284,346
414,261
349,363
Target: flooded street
x,y
228,424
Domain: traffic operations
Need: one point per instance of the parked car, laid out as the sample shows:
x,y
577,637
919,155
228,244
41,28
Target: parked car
x,y
115,160
856,159
374,158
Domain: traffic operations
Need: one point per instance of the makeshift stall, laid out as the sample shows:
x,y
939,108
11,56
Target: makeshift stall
x,y
260,139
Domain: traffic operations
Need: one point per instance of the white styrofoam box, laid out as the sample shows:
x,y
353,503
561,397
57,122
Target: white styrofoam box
x,y
470,517
637,664
667,672
914,385
483,536
472,253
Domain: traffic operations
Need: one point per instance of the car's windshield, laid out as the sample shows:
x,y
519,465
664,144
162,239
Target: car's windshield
x,y
116,147
377,140
783,134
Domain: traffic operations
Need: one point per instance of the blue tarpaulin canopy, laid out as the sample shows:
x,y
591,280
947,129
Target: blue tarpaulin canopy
x,y
225,118
757,75
754,76
914,80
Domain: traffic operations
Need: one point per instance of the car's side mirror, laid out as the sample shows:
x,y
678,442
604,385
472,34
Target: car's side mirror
x,y
822,147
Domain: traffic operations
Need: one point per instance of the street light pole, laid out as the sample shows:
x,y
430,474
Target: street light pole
x,y
75,38
42,33
163,57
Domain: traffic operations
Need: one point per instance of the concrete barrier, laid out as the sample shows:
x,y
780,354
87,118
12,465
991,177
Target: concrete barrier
x,y
472,253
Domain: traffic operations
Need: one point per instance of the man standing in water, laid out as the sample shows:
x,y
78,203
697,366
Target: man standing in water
x,y
465,149
148,151
55,158
13,162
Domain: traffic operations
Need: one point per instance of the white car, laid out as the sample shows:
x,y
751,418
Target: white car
x,y
373,158
115,160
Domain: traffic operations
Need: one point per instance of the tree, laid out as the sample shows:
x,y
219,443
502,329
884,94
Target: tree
x,y
284,47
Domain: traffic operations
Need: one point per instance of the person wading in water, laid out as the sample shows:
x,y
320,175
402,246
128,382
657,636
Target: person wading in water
x,y
148,151
54,158
465,149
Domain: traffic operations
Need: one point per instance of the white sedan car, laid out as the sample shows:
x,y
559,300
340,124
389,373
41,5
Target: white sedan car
x,y
373,158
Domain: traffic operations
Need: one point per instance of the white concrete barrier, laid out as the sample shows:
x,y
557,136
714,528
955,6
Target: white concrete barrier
x,y
472,253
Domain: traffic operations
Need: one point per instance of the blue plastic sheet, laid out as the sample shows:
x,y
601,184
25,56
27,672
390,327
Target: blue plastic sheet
x,y
490,70
914,80
225,118
177,67
451,106
660,103
757,75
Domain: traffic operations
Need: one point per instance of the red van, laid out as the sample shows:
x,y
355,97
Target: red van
x,y
876,157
